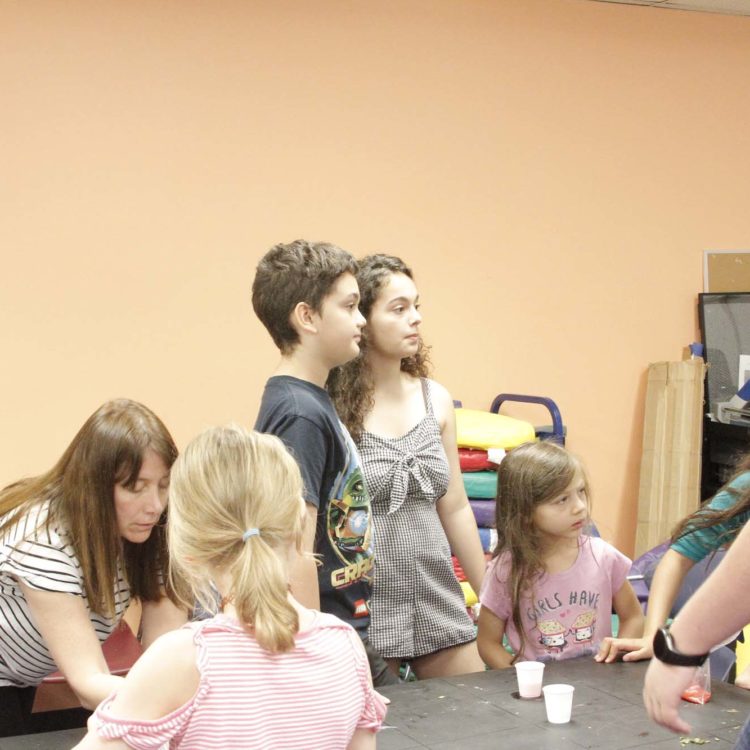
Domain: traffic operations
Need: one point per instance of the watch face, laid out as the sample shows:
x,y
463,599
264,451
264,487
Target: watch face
x,y
665,650
660,645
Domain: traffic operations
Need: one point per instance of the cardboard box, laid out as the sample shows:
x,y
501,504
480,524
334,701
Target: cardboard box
x,y
671,459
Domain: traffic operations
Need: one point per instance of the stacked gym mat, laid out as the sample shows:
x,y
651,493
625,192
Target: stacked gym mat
x,y
482,439
480,482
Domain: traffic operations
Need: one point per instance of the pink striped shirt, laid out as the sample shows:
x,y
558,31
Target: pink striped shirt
x,y
314,696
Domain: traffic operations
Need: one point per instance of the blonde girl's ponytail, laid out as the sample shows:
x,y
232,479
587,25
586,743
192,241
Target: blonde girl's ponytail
x,y
260,588
236,508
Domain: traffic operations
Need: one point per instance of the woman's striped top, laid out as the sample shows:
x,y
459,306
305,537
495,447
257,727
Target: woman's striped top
x,y
44,560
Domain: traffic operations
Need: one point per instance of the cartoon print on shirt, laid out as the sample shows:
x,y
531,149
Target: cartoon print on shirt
x,y
583,626
349,519
349,527
552,635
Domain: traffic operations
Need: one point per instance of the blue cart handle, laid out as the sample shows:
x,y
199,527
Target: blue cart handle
x,y
557,425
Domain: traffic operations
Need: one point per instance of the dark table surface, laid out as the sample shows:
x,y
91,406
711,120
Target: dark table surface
x,y
481,711
63,740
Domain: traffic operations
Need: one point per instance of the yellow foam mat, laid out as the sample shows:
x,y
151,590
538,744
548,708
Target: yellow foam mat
x,y
469,595
481,429
743,651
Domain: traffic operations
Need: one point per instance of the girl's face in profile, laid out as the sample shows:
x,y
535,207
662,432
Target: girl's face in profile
x,y
393,325
563,517
138,508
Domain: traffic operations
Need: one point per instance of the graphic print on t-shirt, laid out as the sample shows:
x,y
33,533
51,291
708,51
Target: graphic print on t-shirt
x,y
583,627
564,618
553,633
349,526
565,614
348,520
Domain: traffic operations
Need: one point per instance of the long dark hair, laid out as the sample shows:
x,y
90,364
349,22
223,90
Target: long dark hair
x,y
704,518
351,386
530,475
107,450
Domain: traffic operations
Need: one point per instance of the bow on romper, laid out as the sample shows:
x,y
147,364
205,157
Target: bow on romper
x,y
417,605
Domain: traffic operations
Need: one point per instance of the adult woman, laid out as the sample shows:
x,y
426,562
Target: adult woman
x,y
404,426
76,544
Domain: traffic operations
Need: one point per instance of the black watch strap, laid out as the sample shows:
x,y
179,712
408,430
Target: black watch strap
x,y
666,651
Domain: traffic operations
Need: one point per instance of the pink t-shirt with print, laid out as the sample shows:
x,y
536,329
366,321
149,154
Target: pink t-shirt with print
x,y
569,613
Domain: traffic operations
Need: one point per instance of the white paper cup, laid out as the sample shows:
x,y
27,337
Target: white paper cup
x,y
529,674
558,700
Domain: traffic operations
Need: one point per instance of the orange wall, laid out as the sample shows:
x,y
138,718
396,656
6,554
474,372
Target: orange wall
x,y
553,170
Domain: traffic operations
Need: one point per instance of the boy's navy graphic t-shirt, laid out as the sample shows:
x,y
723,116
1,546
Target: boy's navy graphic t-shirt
x,y
302,415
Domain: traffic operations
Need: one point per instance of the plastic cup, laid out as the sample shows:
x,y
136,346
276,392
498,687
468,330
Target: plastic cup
x,y
529,674
558,700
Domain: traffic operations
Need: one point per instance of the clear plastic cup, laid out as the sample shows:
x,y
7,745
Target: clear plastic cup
x,y
558,700
529,674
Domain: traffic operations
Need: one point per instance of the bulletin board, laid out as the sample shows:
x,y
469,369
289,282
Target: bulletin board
x,y
726,271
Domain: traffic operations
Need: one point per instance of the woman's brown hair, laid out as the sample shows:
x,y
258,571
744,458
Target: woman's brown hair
x,y
529,476
107,450
732,516
351,385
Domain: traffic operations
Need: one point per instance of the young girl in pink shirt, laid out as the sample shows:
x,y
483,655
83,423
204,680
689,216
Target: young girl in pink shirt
x,y
550,587
264,672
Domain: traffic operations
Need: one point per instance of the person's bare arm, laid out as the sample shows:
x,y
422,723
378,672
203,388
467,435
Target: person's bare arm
x,y
629,612
160,617
64,623
363,739
696,629
668,578
490,640
454,510
304,571
162,680
92,740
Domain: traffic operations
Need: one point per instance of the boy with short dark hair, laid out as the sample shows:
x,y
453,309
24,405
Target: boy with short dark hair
x,y
306,295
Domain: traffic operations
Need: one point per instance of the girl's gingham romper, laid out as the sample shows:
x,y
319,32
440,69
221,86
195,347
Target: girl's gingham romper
x,y
417,604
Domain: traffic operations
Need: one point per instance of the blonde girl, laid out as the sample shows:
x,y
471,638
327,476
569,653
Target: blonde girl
x,y
265,672
550,587
77,543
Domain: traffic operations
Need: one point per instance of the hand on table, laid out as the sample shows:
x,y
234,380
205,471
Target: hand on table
x,y
383,698
632,649
662,691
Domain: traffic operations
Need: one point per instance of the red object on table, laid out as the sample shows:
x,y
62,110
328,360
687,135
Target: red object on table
x,y
696,694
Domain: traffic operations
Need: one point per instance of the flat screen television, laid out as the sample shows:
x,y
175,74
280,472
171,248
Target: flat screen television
x,y
725,327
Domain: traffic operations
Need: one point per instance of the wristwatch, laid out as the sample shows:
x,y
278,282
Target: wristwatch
x,y
666,651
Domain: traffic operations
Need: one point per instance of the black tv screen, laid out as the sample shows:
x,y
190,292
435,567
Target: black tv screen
x,y
725,326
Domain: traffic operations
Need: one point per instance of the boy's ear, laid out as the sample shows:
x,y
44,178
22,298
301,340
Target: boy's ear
x,y
302,318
